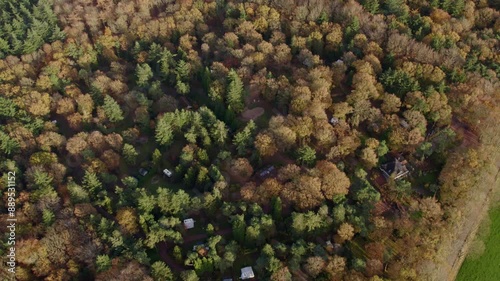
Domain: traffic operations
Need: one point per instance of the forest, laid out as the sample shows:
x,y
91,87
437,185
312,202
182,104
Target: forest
x,y
263,140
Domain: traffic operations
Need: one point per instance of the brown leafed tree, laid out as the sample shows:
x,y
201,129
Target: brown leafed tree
x,y
128,220
265,144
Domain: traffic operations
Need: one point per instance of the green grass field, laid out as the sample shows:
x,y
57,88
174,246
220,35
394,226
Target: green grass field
x,y
487,266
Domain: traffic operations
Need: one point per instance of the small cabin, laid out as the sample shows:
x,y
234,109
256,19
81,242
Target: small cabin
x,y
188,223
396,169
247,273
143,172
167,173
266,171
404,124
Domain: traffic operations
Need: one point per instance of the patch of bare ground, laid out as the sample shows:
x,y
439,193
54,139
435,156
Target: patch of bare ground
x,y
252,114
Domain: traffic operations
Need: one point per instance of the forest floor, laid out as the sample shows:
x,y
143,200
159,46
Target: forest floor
x,y
252,114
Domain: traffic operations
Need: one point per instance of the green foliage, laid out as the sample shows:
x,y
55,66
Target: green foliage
x,y
398,82
129,153
219,132
338,214
371,6
235,92
306,155
304,224
172,203
364,192
244,139
403,188
8,108
8,145
358,264
239,228
382,148
112,109
204,265
103,263
419,26
143,74
166,62
277,209
397,7
182,87
425,150
42,179
164,130
161,272
91,182
130,182
183,71
189,275
352,29
78,193
26,25
453,7
48,217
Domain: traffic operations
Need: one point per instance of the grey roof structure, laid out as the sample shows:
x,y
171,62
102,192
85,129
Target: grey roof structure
x,y
396,169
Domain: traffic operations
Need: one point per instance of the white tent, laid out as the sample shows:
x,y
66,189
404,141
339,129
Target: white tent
x,y
188,223
247,273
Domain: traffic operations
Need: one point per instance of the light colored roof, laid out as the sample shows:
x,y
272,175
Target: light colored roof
x,y
247,273
167,172
189,223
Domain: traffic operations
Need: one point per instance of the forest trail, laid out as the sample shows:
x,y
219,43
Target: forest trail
x,y
170,261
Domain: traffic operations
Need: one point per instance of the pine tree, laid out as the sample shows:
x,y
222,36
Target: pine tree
x,y
189,275
182,87
8,145
77,193
371,6
219,132
42,179
164,131
166,61
157,157
103,262
91,182
235,92
306,155
129,153
239,228
244,139
161,272
183,71
277,209
112,109
48,217
143,74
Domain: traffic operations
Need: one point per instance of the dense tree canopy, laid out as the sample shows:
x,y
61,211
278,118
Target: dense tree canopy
x,y
310,140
